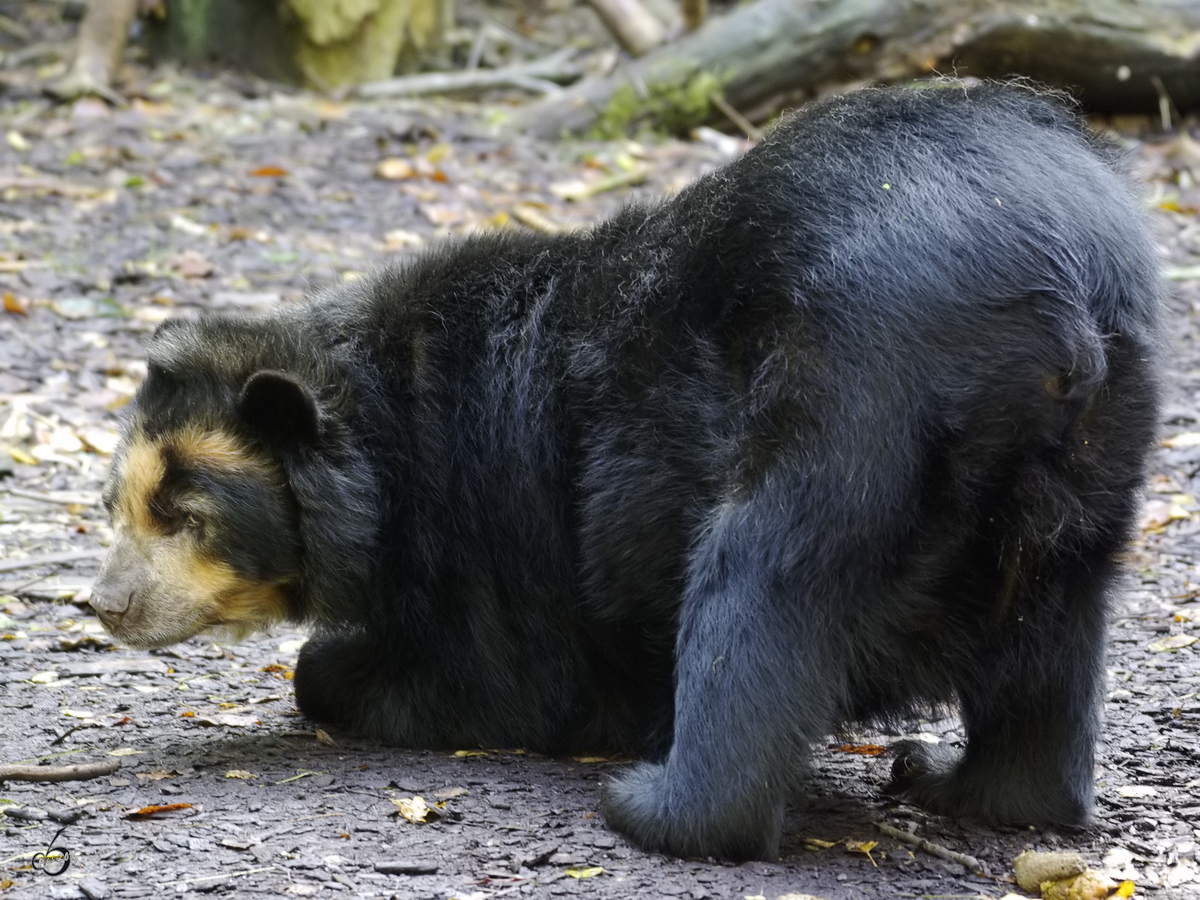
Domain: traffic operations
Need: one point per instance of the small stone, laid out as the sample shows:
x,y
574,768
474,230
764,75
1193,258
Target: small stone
x,y
94,888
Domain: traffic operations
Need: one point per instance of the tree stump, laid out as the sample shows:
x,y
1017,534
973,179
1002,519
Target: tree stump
x,y
318,43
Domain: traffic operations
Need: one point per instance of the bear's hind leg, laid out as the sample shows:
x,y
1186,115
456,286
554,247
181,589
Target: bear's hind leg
x,y
1030,707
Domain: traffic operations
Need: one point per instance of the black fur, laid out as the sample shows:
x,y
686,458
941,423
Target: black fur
x,y
849,427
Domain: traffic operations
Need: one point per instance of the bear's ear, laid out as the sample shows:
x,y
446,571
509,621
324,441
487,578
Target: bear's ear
x,y
279,409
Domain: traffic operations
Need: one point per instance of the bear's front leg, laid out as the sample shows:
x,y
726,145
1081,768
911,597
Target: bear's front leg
x,y
751,693
362,684
339,681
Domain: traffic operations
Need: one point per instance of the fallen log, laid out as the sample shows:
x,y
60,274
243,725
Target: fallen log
x,y
1115,55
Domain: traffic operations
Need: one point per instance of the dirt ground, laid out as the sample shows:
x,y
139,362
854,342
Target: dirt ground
x,y
212,192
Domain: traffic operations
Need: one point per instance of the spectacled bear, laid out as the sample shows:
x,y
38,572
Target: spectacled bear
x,y
852,426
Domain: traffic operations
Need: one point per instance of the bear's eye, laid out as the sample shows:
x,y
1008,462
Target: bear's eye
x,y
191,520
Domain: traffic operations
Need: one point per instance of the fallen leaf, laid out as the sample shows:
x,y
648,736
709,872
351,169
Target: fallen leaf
x,y
1137,791
147,812
444,214
14,305
191,264
395,168
818,844
863,847
187,226
101,440
79,713
125,751
230,721
589,872
1174,642
157,775
1181,441
416,810
451,792
324,738
399,239
240,773
43,677
1088,885
269,172
466,753
1157,514
22,457
861,749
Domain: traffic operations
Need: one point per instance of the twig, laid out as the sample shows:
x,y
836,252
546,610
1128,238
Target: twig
x,y
49,559
66,498
731,113
49,186
970,863
81,772
200,878
532,218
537,76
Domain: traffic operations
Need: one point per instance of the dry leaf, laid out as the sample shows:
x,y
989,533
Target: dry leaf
x,y
101,440
1174,642
240,773
14,305
147,812
863,847
451,792
228,720
1184,440
416,810
1137,791
861,749
269,172
818,844
399,239
1157,514
324,738
395,168
1088,885
589,872
157,775
22,457
191,264
444,214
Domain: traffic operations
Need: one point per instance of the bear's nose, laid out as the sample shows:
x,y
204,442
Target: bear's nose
x,y
109,602
109,612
